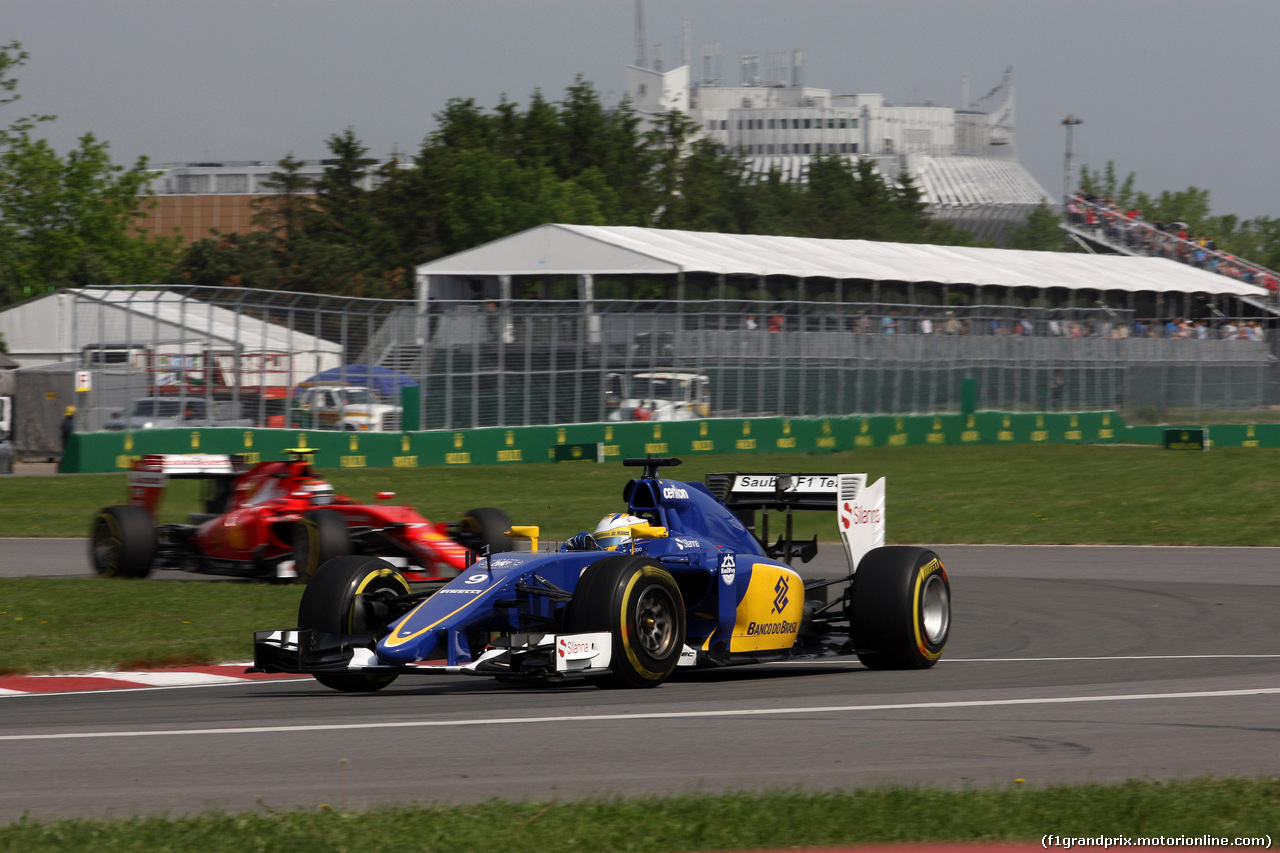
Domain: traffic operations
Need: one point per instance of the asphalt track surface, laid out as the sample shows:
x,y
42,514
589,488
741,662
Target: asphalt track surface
x,y
1066,664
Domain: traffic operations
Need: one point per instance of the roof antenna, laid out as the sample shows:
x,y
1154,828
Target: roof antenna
x,y
640,39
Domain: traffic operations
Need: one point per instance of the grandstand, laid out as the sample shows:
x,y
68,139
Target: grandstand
x,y
1101,228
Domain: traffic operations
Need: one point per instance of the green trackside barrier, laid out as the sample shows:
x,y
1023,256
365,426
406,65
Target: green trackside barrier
x,y
108,451
1186,439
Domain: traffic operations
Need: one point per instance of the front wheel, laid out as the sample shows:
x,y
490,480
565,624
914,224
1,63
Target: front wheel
x,y
321,536
485,528
901,608
122,542
351,595
637,601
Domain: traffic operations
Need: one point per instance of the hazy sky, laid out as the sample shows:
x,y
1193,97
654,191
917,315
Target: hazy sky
x,y
1182,93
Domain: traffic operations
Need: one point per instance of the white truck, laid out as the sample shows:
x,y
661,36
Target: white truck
x,y
350,408
658,396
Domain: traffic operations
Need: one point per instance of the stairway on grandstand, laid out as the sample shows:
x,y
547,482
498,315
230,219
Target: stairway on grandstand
x,y
1141,239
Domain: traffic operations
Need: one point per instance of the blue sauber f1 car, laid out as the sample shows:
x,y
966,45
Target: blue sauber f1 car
x,y
693,583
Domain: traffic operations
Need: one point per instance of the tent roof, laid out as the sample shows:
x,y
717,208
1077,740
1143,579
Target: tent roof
x,y
628,250
198,318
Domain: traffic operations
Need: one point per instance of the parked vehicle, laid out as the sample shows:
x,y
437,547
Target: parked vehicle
x,y
658,396
344,407
6,453
679,579
175,412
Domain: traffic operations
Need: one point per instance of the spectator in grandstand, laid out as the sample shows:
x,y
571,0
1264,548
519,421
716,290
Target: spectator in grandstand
x,y
1139,328
926,325
1271,284
750,323
889,324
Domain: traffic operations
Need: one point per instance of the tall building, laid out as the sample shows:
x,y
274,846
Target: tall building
x,y
963,159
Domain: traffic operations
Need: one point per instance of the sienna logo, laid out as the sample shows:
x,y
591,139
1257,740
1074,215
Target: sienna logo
x,y
572,647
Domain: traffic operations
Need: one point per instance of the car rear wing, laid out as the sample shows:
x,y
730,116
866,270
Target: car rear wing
x,y
152,472
860,508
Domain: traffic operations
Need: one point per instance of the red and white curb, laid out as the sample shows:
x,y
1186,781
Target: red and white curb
x,y
196,676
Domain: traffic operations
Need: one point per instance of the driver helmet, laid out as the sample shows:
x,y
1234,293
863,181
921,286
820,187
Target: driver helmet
x,y
615,529
320,492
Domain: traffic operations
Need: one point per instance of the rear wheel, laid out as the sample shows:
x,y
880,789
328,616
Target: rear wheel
x,y
350,595
483,528
321,536
637,601
901,608
122,542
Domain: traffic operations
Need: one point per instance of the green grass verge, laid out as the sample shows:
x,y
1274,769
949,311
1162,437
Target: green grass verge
x,y
44,622
1016,495
1222,808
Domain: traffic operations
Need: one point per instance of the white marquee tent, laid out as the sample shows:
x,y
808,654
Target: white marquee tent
x,y
595,251
57,326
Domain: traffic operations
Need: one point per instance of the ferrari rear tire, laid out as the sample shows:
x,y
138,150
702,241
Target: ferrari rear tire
x,y
321,536
901,608
349,595
483,528
122,542
637,601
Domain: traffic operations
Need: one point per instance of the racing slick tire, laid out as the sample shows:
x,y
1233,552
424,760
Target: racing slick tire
x,y
330,604
321,536
485,527
122,542
900,610
637,601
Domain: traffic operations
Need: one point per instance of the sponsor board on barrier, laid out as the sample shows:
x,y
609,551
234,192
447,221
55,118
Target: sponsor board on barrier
x,y
105,452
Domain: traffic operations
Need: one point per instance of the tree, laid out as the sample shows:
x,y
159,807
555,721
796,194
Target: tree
x,y
1042,232
73,222
851,201
69,221
12,56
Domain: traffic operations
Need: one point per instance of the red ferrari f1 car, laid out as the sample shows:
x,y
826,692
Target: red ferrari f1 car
x,y
277,521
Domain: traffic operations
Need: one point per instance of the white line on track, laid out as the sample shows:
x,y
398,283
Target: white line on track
x,y
666,715
1107,657
1039,660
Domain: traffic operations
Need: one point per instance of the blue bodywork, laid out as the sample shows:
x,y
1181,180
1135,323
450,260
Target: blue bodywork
x,y
526,592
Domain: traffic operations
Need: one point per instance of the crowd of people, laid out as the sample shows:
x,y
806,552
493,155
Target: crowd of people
x,y
1173,240
1054,324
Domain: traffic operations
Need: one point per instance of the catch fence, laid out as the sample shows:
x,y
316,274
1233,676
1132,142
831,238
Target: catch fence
x,y
539,362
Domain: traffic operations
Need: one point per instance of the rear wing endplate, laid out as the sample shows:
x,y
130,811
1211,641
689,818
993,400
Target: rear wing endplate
x,y
860,507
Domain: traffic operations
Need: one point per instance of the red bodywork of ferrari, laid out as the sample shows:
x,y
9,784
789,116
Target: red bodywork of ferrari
x,y
256,521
